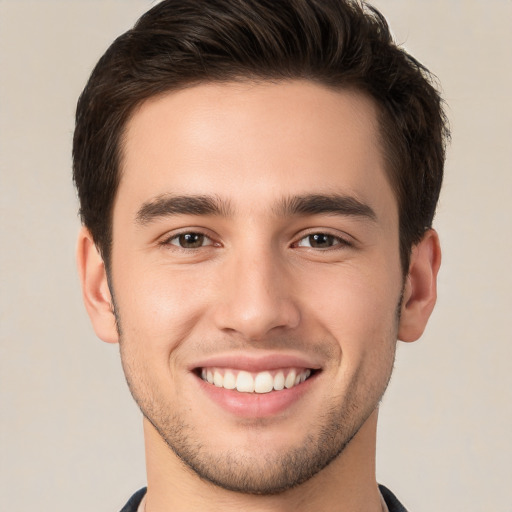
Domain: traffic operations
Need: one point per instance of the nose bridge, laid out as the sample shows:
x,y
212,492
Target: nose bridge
x,y
256,293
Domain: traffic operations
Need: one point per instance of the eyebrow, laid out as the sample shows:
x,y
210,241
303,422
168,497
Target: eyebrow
x,y
168,204
309,204
331,204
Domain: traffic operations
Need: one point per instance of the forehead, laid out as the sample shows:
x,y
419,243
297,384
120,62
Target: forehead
x,y
253,144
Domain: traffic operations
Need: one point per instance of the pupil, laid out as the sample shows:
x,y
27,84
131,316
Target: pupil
x,y
191,240
321,240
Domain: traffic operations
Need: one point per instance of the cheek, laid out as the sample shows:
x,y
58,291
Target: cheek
x,y
357,309
157,308
158,312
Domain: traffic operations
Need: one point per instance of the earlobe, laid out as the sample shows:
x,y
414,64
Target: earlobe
x,y
95,289
420,291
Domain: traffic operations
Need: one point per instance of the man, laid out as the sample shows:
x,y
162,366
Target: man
x,y
257,183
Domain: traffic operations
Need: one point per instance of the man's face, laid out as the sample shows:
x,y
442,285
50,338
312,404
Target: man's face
x,y
255,243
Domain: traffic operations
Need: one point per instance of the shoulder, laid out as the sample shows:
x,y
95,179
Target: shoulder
x,y
391,500
134,501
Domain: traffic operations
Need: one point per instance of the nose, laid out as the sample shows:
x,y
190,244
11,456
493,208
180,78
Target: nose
x,y
256,296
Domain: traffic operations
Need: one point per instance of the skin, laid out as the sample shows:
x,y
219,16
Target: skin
x,y
258,287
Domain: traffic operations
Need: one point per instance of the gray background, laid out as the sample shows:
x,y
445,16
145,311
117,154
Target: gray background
x,y
71,439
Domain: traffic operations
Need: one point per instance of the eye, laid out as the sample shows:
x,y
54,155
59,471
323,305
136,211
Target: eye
x,y
321,241
190,240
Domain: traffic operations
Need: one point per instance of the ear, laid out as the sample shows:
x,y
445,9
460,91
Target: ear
x,y
420,291
95,289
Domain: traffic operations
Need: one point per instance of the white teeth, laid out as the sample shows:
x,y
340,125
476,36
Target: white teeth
x,y
262,382
245,382
229,380
279,381
218,379
290,380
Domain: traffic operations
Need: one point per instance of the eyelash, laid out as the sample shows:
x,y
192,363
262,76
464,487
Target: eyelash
x,y
337,241
169,241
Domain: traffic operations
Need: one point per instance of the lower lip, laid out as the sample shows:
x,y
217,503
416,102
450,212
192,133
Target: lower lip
x,y
256,405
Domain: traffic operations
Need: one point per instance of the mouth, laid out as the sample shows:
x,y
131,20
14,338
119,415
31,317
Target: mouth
x,y
257,386
255,382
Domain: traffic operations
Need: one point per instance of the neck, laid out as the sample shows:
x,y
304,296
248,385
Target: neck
x,y
346,484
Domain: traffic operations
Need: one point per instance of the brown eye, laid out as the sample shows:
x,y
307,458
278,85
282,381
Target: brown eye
x,y
190,240
321,241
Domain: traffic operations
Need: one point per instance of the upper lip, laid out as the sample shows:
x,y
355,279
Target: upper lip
x,y
257,362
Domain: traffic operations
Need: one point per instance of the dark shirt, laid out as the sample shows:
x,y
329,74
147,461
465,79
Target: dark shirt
x,y
393,504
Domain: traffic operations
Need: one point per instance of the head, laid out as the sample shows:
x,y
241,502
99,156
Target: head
x,y
340,44
259,178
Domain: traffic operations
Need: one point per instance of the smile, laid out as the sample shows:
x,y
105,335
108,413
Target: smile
x,y
259,382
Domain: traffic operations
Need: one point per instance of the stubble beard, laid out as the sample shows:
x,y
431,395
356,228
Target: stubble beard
x,y
259,473
255,472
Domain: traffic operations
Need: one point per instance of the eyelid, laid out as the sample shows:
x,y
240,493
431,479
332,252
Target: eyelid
x,y
167,239
344,240
176,238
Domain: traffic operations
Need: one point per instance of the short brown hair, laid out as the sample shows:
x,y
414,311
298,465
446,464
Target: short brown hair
x,y
337,43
